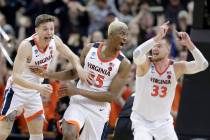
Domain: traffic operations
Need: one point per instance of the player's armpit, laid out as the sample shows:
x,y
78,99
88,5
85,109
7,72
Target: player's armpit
x,y
120,79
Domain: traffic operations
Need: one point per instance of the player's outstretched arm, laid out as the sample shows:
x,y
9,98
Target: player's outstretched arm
x,y
198,64
139,54
68,74
74,59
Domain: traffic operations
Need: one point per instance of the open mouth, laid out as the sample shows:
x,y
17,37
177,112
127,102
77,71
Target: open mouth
x,y
47,38
155,53
122,43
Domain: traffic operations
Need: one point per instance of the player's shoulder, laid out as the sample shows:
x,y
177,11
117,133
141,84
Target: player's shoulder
x,y
125,60
179,64
57,40
95,44
25,45
125,63
88,46
24,48
56,37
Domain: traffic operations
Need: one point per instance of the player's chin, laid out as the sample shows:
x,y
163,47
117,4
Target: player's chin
x,y
155,58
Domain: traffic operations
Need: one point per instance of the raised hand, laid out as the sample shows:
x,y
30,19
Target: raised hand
x,y
162,31
184,40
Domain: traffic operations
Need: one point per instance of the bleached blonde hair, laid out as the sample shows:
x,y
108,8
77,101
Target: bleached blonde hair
x,y
115,25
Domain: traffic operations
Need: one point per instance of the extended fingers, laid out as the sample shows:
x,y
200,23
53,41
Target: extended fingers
x,y
182,35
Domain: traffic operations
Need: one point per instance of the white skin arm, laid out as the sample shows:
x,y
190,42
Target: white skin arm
x,y
197,65
74,59
24,52
139,54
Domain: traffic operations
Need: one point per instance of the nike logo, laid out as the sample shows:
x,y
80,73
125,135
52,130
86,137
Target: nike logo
x,y
101,109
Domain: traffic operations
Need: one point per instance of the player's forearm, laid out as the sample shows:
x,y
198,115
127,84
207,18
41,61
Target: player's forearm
x,y
200,62
74,59
96,96
139,54
26,84
62,75
76,63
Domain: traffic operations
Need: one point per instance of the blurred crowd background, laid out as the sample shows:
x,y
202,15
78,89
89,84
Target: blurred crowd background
x,y
79,22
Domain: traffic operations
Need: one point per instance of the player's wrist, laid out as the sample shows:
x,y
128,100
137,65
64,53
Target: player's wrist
x,y
37,87
157,38
190,46
46,75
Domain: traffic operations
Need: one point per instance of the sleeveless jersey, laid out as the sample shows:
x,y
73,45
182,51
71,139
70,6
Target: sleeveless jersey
x,y
103,71
155,92
38,58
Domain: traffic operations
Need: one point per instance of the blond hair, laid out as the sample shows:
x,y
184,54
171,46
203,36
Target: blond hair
x,y
115,25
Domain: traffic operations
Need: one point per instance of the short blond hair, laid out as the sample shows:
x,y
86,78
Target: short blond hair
x,y
115,25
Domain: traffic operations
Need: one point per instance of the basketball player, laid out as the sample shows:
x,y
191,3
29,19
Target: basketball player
x,y
108,69
23,87
156,80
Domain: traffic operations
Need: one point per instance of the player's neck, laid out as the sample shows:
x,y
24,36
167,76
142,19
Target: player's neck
x,y
161,64
40,42
108,51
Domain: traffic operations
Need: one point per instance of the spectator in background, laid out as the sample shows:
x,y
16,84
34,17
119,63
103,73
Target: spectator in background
x,y
132,41
25,25
98,12
3,76
123,13
5,26
75,42
109,18
70,16
183,19
97,36
172,10
144,20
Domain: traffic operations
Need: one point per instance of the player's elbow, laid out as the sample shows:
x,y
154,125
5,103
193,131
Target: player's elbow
x,y
203,66
138,57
